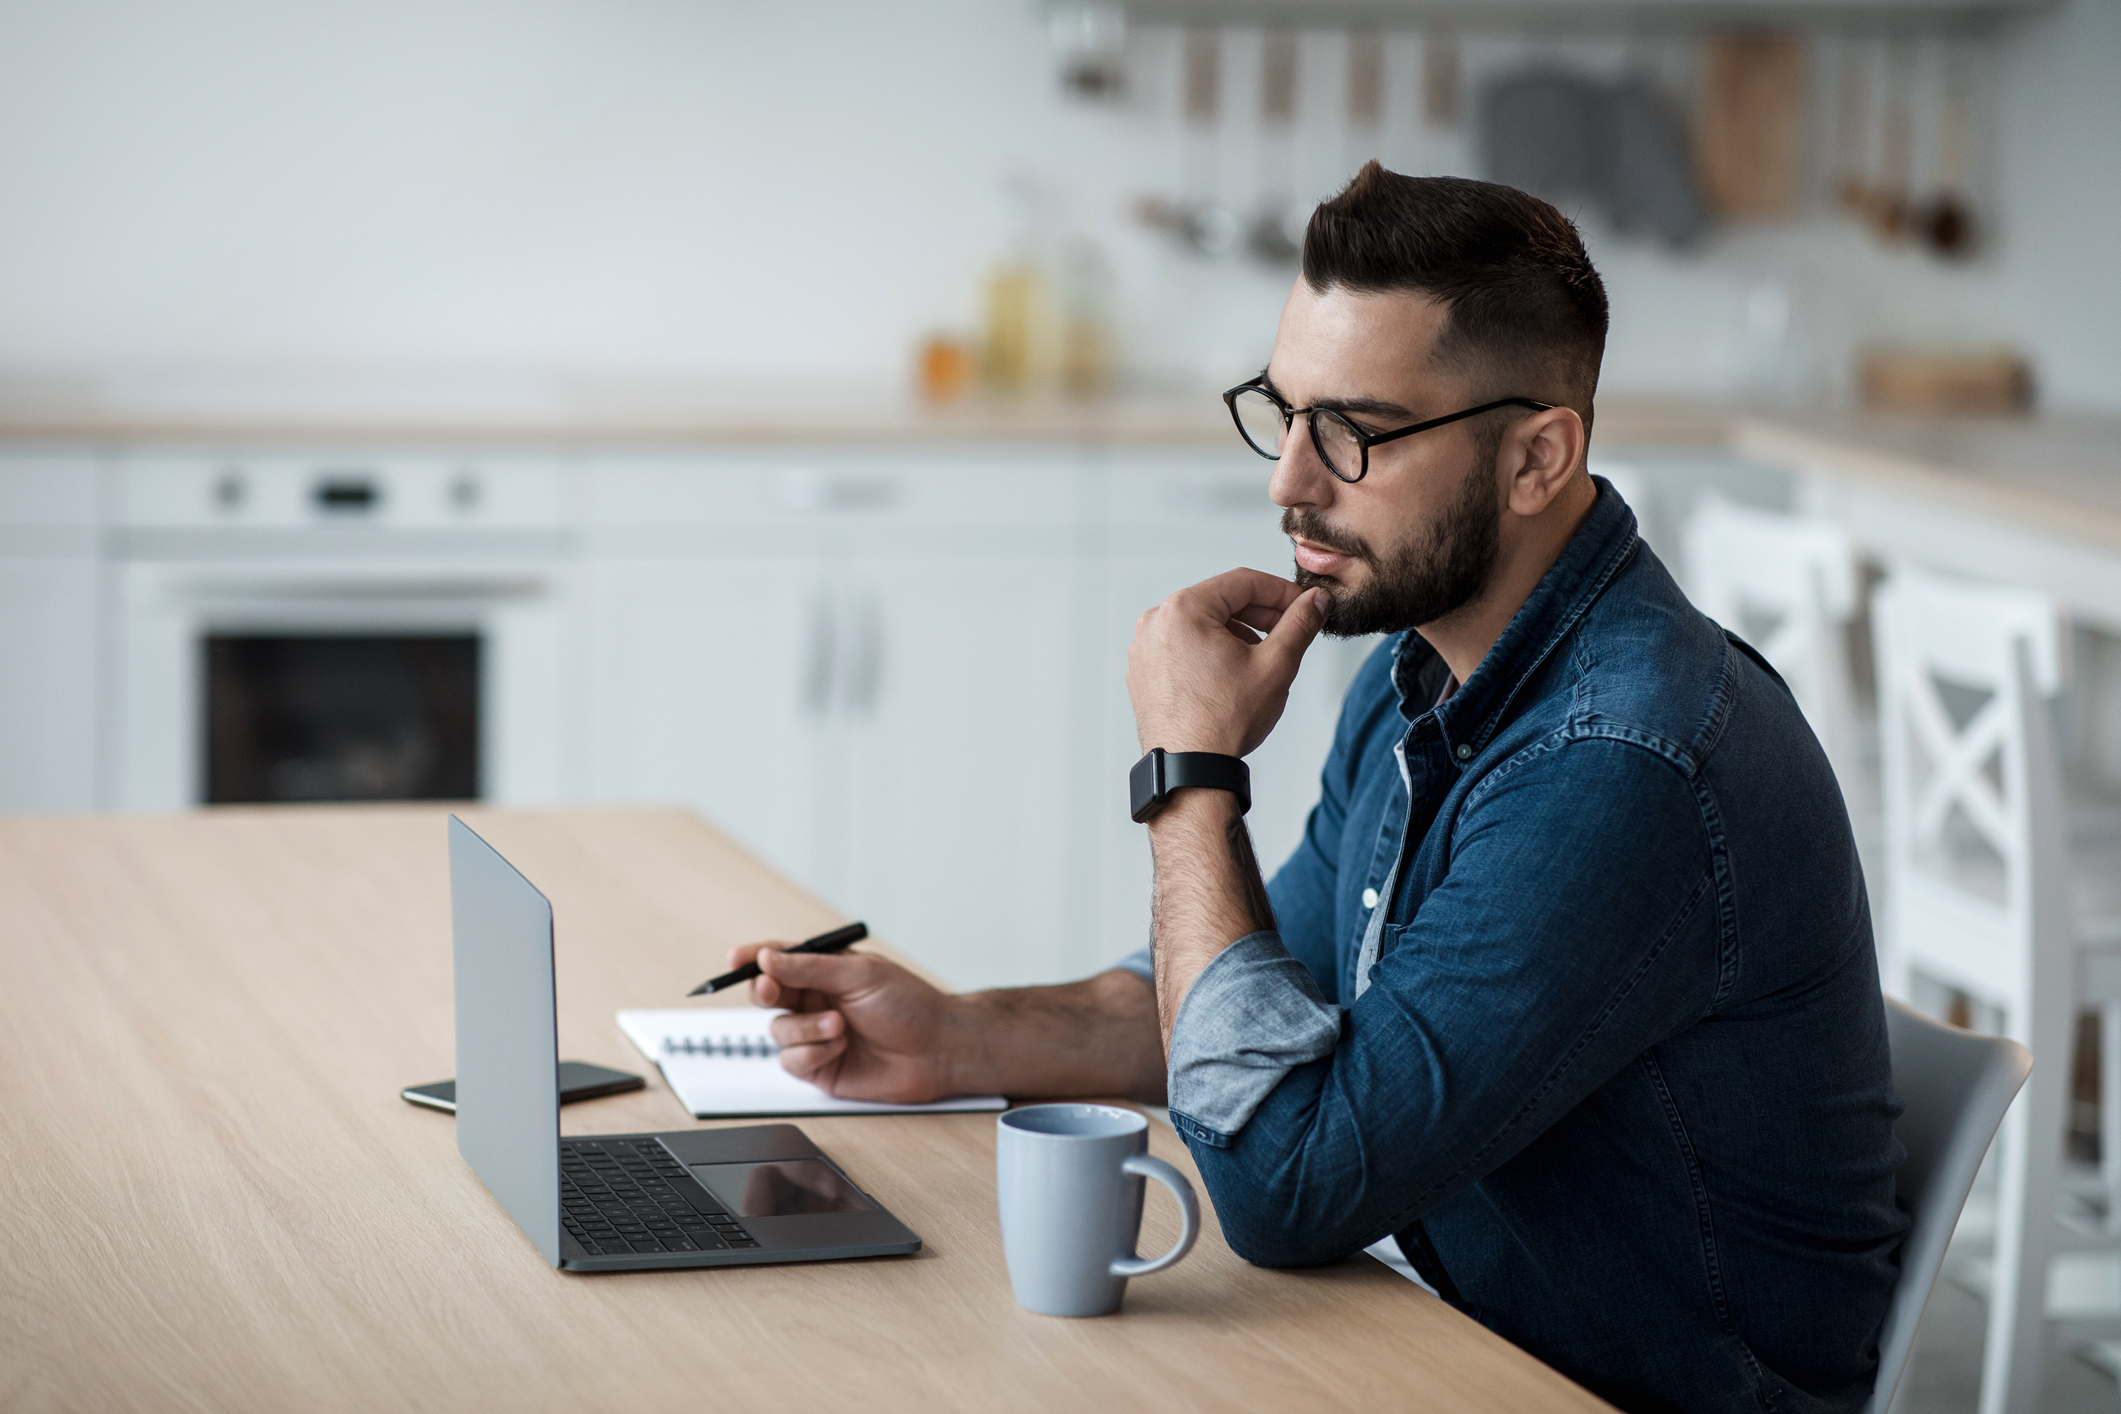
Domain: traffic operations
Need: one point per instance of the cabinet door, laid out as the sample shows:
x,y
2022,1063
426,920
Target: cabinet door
x,y
1178,519
49,594
962,758
48,709
703,693
810,645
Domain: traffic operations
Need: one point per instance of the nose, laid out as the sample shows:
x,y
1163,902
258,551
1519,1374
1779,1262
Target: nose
x,y
1300,478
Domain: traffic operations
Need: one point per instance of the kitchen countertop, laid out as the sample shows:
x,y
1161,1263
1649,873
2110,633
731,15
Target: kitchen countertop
x,y
2058,472
842,415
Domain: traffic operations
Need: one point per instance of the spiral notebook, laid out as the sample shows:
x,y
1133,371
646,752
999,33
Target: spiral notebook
x,y
721,1063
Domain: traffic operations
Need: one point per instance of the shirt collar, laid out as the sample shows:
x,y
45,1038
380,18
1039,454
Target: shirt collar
x,y
1471,716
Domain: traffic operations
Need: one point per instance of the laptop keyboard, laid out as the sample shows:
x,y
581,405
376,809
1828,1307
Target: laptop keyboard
x,y
623,1196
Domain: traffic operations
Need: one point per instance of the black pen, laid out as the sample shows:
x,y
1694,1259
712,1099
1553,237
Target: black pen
x,y
838,940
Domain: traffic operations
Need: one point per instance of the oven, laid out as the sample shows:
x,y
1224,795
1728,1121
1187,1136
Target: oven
x,y
295,627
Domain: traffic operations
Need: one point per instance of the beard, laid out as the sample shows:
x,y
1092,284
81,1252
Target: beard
x,y
1438,570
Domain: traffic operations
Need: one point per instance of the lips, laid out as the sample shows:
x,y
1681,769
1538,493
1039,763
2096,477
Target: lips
x,y
1320,549
1318,560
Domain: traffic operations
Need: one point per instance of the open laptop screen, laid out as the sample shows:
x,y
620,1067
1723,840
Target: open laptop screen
x,y
508,1057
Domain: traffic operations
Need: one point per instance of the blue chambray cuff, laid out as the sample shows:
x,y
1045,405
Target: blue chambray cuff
x,y
1253,1015
1141,962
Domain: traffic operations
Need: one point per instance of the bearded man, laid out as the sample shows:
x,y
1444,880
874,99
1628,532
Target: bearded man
x,y
1570,985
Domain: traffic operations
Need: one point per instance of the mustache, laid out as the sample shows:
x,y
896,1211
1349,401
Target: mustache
x,y
1303,523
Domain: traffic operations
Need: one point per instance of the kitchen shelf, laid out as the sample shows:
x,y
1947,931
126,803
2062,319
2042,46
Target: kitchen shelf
x,y
1585,17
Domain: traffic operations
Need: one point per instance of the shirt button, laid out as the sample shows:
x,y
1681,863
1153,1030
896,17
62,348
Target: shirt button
x,y
1369,898
1465,753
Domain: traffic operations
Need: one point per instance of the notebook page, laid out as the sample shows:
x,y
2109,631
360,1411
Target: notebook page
x,y
721,1063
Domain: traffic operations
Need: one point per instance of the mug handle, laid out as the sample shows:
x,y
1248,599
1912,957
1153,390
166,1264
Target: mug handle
x,y
1147,1166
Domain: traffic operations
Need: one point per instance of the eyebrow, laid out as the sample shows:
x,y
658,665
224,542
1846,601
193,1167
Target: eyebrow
x,y
1361,407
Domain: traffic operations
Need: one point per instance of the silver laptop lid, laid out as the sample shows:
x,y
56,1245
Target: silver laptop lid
x,y
508,1055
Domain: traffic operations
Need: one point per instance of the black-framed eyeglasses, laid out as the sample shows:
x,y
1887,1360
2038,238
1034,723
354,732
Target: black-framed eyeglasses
x,y
1263,421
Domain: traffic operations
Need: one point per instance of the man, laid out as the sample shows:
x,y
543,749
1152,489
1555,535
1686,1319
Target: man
x,y
1570,985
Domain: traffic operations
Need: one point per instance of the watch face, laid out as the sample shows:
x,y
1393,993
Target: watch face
x,y
1145,786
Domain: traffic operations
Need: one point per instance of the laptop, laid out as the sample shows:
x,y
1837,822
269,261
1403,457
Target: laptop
x,y
617,1202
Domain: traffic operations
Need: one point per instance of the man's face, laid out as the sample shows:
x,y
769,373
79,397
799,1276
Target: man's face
x,y
1417,537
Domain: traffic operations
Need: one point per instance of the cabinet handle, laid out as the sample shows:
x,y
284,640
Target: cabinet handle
x,y
808,493
817,663
866,656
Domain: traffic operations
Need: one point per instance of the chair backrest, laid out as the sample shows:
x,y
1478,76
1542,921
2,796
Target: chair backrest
x,y
1970,779
1787,585
1955,1086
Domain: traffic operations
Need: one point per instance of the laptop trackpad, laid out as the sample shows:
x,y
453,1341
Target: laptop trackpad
x,y
781,1188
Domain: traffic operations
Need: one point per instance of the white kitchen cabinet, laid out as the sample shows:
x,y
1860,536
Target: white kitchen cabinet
x,y
50,587
1175,519
697,695
959,763
862,666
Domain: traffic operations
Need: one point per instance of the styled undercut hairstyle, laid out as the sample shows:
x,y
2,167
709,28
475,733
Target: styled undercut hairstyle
x,y
1527,310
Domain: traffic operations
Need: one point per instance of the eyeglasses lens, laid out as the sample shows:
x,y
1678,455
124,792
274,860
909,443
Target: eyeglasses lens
x,y
1338,444
1259,419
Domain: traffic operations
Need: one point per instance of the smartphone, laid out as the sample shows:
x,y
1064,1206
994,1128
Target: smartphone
x,y
579,1080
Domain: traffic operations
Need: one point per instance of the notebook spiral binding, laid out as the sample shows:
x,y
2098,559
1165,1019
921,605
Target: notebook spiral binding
x,y
738,1047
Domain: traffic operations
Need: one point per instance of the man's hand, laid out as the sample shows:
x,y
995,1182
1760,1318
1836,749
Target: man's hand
x,y
864,1028
860,1027
1210,667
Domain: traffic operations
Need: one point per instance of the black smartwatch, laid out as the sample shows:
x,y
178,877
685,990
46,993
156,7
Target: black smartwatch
x,y
1155,776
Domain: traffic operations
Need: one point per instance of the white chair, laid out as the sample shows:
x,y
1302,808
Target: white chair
x,y
1787,585
1979,881
1956,1087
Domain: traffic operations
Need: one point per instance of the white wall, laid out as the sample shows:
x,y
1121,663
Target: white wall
x,y
456,202
2062,169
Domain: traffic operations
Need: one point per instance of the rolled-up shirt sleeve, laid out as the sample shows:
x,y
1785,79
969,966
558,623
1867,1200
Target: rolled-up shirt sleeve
x,y
1253,1015
1141,962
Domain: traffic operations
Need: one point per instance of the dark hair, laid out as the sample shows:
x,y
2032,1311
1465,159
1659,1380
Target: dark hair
x,y
1527,310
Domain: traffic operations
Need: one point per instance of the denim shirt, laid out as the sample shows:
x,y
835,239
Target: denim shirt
x,y
1613,1067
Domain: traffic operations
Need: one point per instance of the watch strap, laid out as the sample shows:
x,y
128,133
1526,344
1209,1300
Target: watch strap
x,y
1160,772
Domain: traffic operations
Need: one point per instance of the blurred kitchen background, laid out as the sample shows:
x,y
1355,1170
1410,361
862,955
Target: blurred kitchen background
x,y
784,411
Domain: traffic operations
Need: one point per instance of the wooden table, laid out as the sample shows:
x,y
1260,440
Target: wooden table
x,y
213,1198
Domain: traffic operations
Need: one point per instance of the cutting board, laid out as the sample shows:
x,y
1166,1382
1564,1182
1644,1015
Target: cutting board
x,y
1749,125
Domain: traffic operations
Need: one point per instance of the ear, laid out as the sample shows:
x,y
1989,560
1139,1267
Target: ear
x,y
1538,456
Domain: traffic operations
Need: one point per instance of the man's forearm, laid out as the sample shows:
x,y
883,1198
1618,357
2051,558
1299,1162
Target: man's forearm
x,y
1088,1038
1208,892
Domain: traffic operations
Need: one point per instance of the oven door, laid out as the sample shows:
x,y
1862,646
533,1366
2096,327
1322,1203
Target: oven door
x,y
311,681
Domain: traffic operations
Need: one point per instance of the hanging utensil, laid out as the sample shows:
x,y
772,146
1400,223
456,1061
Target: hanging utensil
x,y
1946,224
1202,224
1439,79
1853,120
1366,80
1891,211
1275,235
1203,74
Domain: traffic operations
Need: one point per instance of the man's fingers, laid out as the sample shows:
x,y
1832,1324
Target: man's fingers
x,y
1236,593
808,1028
813,1063
823,972
764,991
1299,625
745,952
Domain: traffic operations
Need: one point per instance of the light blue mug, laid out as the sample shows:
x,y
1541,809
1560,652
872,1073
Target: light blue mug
x,y
1068,1179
